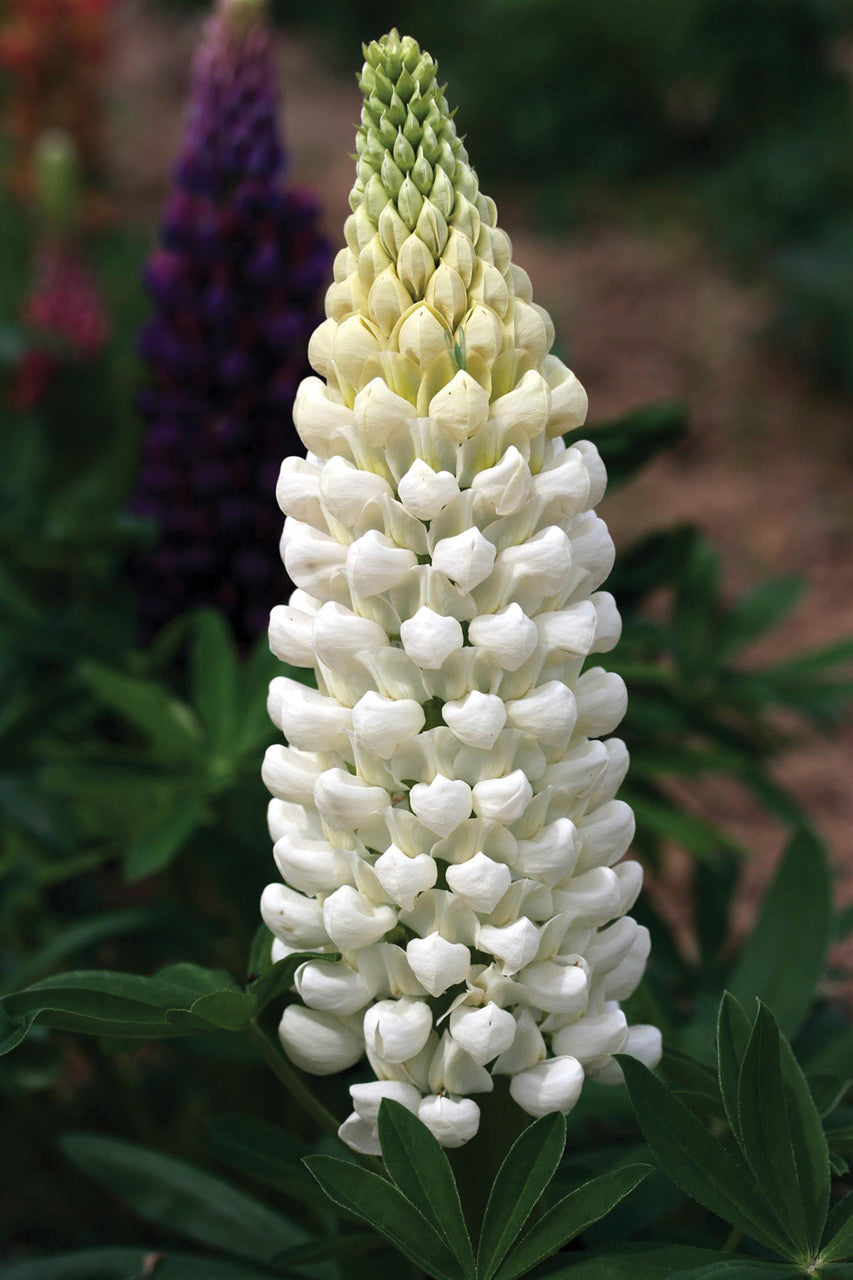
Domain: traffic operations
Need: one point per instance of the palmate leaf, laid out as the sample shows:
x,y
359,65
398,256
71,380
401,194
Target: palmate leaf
x,y
756,612
738,1268
733,1032
182,1199
387,1210
150,708
181,999
695,1160
263,1151
122,1264
838,1243
569,1217
421,1171
526,1171
213,671
765,1137
634,1262
798,905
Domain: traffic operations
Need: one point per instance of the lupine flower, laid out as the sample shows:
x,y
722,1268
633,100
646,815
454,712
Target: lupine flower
x,y
445,813
236,288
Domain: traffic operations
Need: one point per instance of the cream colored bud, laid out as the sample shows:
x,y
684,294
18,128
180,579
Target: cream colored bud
x,y
317,416
355,341
380,413
437,963
482,332
388,299
415,265
392,230
569,403
424,492
526,407
442,804
318,1042
553,1085
459,254
352,921
429,638
423,335
476,719
447,294
461,408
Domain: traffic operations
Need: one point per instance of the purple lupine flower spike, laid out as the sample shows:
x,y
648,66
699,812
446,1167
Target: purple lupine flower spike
x,y
237,285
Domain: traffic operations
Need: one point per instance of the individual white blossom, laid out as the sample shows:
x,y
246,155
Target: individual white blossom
x,y
445,814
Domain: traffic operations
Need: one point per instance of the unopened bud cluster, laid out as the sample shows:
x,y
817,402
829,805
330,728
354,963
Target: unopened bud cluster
x,y
444,813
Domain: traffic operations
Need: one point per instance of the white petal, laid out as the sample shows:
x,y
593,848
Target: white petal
x,y
507,485
437,963
397,1029
476,719
429,638
352,921
462,407
515,944
508,636
344,801
466,559
318,1042
502,799
402,877
593,1036
480,881
526,1050
297,920
483,1033
424,492
555,988
333,988
384,724
367,1098
643,1043
311,866
374,563
553,1085
442,804
452,1121
360,1136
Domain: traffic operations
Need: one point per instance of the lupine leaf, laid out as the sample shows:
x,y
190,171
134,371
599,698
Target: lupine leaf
x,y
180,1198
798,905
263,1151
422,1173
158,843
124,1264
736,1268
695,1160
733,1032
528,1167
84,933
634,1262
149,707
756,612
569,1217
764,1132
213,677
839,1232
381,1205
811,1154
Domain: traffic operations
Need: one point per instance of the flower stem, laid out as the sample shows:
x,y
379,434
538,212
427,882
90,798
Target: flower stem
x,y
302,1095
280,1067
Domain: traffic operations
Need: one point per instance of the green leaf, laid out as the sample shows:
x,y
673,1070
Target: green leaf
x,y
798,905
569,1217
840,1140
528,1167
811,1153
765,1136
180,1198
381,1205
733,1032
634,1262
213,678
151,709
737,1268
839,1232
128,1264
422,1172
83,934
756,612
262,1151
155,846
696,1161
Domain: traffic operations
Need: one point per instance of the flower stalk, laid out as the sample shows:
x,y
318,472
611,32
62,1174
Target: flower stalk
x,y
444,813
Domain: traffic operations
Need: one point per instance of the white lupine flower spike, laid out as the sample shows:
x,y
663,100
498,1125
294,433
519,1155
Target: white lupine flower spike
x,y
445,816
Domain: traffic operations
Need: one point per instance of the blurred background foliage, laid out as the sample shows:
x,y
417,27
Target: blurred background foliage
x,y
133,816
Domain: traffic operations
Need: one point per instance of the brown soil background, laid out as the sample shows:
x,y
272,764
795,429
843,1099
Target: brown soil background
x,y
647,314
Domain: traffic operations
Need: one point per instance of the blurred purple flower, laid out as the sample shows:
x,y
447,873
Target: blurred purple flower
x,y
237,287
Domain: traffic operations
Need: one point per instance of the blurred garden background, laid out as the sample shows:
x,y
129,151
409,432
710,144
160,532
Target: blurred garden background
x,y
677,179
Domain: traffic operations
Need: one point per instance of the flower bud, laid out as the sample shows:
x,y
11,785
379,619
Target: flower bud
x,y
352,921
397,1029
424,492
346,491
423,335
553,1085
429,638
480,881
451,1121
476,719
461,408
379,413
483,1033
318,1042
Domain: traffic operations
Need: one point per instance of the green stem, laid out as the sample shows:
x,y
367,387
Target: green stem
x,y
302,1095
281,1068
